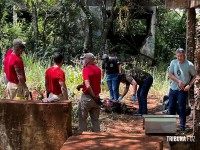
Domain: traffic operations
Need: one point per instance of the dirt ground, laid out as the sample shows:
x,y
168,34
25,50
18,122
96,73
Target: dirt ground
x,y
120,123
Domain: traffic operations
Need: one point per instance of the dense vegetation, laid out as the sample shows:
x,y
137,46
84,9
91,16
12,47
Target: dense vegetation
x,y
62,25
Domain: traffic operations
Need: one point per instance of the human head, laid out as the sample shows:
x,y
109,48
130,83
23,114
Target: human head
x,y
18,46
122,77
180,55
58,58
105,57
85,50
89,58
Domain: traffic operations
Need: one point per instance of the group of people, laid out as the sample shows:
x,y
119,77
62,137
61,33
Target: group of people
x,y
181,71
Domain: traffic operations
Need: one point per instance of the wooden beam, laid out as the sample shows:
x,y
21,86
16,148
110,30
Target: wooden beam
x,y
194,3
177,3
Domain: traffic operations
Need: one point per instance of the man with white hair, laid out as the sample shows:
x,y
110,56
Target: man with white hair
x,y
14,69
90,101
183,74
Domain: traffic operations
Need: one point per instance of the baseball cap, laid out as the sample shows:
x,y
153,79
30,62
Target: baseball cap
x,y
18,42
89,56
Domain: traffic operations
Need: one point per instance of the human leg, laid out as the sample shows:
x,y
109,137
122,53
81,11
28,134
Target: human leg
x,y
172,102
144,92
82,114
94,115
115,87
109,83
12,90
182,97
139,100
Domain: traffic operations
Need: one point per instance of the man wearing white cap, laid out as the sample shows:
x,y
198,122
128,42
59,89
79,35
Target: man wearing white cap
x,y
90,100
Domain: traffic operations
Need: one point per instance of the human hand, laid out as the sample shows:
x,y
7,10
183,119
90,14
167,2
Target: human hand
x,y
102,81
134,98
79,87
181,85
120,98
187,88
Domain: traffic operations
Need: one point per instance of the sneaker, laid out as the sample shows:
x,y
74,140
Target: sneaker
x,y
182,131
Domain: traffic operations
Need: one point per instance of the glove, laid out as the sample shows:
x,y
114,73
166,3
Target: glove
x,y
120,98
134,98
102,81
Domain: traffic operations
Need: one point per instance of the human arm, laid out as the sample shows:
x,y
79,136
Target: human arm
x,y
120,68
175,79
89,88
189,85
64,90
21,79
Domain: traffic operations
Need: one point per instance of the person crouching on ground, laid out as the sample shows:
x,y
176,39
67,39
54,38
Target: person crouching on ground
x,y
15,74
183,74
89,102
144,80
55,81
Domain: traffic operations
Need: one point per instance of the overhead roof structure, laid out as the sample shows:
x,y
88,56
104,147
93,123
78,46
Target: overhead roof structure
x,y
182,3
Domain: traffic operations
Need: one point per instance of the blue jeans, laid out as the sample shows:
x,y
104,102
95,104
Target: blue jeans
x,y
142,93
181,97
113,85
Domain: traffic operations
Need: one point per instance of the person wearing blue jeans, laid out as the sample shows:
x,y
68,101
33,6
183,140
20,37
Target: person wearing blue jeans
x,y
144,80
112,67
183,74
113,85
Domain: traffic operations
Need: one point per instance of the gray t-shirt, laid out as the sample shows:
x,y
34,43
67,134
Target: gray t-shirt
x,y
183,72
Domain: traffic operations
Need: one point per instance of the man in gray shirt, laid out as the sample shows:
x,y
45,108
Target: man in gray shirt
x,y
182,73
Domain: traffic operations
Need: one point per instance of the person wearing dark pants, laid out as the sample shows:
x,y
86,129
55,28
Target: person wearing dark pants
x,y
182,73
144,80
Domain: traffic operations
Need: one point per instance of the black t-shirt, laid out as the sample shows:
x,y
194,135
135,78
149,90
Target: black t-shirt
x,y
138,75
111,66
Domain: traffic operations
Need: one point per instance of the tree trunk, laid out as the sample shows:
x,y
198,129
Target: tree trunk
x,y
196,120
14,15
190,43
107,23
35,23
88,43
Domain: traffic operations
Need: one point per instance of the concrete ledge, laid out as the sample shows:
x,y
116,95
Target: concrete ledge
x,y
31,125
110,141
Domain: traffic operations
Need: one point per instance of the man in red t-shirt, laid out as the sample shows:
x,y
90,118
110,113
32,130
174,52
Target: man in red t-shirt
x,y
90,100
14,69
55,81
8,52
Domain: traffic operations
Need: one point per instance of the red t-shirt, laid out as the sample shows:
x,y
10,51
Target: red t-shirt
x,y
93,74
13,61
53,76
9,51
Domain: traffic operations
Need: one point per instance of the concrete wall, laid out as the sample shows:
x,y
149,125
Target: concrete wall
x,y
27,125
148,48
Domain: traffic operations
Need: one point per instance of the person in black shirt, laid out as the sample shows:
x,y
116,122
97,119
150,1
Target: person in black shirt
x,y
112,67
144,80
